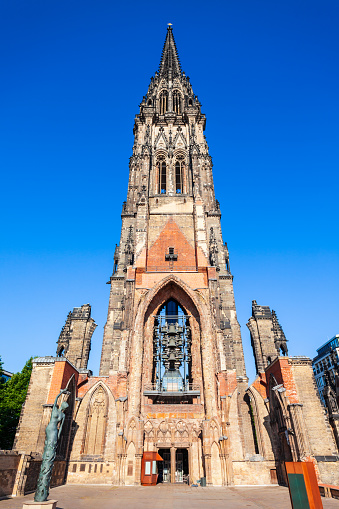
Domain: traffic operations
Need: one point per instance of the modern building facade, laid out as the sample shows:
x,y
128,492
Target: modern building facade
x,y
326,372
325,364
172,375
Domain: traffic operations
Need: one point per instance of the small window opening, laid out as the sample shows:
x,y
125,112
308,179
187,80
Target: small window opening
x,y
176,97
161,167
115,268
179,169
163,102
163,179
171,256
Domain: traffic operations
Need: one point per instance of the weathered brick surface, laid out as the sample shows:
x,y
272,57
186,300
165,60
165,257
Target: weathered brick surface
x,y
75,338
267,337
32,411
288,383
9,462
281,369
318,429
62,372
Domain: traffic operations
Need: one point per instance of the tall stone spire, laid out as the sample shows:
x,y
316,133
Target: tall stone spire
x,y
170,64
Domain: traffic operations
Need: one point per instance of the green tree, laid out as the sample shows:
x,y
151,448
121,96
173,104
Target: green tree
x,y
12,397
2,380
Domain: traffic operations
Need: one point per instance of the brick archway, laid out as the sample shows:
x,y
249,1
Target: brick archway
x,y
194,303
171,290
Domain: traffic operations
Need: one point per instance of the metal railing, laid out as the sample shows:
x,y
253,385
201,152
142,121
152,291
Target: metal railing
x,y
187,389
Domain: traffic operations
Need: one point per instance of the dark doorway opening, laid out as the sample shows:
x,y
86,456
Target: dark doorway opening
x,y
181,466
164,467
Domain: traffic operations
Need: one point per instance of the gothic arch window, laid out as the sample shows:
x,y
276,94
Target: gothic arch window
x,y
161,171
179,174
250,418
172,340
96,423
163,102
176,97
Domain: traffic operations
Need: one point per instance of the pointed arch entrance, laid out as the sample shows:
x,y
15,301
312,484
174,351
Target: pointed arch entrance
x,y
171,378
172,313
172,363
141,346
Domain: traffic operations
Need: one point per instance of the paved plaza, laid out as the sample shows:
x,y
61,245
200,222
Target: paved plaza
x,y
166,497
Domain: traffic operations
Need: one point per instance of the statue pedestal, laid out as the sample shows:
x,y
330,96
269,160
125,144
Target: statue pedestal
x,y
49,504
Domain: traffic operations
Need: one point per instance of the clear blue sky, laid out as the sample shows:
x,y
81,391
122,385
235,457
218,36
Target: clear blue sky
x,y
73,74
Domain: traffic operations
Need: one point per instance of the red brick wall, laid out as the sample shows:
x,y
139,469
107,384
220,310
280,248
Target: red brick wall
x,y
117,384
261,386
185,411
62,372
282,371
227,383
171,236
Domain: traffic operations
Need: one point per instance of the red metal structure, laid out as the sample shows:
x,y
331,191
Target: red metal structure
x,y
303,485
149,470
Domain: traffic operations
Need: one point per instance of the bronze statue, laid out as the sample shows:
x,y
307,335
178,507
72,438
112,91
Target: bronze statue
x,y
53,433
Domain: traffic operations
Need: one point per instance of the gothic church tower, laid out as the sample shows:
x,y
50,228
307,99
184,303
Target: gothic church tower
x,y
172,376
171,234
172,272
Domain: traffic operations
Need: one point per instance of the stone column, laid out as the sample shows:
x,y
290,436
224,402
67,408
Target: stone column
x,y
123,468
190,464
208,471
137,475
173,464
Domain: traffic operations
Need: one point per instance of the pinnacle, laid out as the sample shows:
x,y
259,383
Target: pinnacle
x,y
169,63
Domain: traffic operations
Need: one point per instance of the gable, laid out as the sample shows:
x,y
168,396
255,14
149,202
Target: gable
x,y
171,236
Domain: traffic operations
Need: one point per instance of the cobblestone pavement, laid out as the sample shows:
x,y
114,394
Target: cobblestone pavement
x,y
166,497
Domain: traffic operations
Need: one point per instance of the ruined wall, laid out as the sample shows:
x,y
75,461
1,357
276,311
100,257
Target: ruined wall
x,y
26,437
9,463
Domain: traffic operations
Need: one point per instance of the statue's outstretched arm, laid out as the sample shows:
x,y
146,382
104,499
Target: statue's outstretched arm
x,y
63,391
